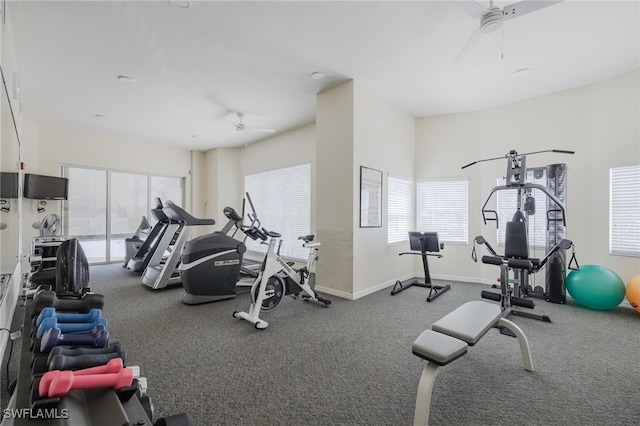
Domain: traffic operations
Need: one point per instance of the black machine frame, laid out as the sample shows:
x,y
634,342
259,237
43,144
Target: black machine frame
x,y
423,244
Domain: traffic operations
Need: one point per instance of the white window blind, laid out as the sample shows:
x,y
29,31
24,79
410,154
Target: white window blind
x,y
442,207
536,223
282,199
398,209
624,211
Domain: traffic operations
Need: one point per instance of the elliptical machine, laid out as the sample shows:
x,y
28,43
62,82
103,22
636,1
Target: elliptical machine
x,y
212,264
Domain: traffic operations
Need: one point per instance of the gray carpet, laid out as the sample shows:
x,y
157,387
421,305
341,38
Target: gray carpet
x,y
351,363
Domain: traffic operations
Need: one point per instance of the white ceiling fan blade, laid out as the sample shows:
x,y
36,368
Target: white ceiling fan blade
x,y
231,132
474,9
523,7
261,129
473,40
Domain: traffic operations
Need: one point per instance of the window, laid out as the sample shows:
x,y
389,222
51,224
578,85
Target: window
x,y
507,203
624,211
442,207
282,199
398,209
105,207
87,211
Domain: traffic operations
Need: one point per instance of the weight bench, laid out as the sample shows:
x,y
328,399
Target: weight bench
x,y
448,340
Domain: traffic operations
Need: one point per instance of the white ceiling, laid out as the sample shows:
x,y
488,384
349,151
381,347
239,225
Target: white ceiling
x,y
196,67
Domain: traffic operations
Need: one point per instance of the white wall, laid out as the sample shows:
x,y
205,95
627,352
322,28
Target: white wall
x,y
334,188
222,183
14,286
599,122
46,148
384,139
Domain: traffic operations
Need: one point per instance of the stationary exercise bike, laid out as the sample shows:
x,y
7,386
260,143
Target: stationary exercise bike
x,y
277,278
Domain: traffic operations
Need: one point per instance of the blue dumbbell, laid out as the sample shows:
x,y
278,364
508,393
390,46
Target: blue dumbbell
x,y
50,312
68,327
98,337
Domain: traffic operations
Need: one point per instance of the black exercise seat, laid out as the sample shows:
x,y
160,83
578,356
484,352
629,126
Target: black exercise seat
x,y
516,247
515,257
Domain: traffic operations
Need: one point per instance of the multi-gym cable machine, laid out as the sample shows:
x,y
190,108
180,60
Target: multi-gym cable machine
x,y
516,259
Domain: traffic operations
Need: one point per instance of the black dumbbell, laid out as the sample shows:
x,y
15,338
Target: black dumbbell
x,y
66,358
82,304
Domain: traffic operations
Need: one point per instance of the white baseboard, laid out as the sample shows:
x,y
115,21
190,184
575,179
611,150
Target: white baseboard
x,y
362,293
381,286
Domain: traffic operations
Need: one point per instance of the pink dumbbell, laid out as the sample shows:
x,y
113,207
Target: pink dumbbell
x,y
64,381
113,366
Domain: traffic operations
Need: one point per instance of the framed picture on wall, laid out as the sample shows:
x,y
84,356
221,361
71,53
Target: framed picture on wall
x,y
370,198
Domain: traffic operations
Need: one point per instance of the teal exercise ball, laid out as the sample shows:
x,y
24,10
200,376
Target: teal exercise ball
x,y
596,287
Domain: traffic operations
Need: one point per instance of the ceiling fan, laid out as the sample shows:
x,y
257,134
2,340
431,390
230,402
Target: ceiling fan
x,y
240,127
492,17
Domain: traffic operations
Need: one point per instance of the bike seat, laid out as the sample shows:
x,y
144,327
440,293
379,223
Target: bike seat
x,y
306,238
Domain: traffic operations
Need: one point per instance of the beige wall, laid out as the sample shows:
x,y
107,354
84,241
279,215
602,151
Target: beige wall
x,y
45,149
599,122
11,290
384,139
334,188
356,127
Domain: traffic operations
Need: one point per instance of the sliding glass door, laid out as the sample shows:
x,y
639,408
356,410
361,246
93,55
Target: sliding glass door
x,y
87,211
128,195
105,207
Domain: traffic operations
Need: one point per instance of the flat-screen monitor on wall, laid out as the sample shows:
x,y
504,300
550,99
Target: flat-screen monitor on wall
x,y
8,185
40,187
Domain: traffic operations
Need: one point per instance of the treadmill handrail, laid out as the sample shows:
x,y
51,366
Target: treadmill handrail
x,y
178,214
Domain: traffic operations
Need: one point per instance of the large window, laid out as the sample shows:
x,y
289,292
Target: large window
x,y
442,207
282,199
105,207
624,211
398,209
86,216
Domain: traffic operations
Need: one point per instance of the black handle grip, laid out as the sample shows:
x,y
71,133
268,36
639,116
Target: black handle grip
x,y
490,295
492,260
525,303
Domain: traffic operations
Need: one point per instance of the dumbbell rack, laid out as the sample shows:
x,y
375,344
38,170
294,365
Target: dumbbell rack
x,y
44,250
94,407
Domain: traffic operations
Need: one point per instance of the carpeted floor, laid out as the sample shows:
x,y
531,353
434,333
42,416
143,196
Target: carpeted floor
x,y
351,363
